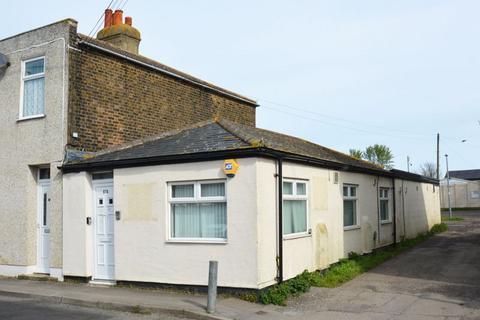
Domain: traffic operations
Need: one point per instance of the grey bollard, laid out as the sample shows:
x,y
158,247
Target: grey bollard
x,y
212,286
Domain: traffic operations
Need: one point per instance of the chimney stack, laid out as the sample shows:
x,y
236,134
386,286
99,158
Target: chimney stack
x,y
119,33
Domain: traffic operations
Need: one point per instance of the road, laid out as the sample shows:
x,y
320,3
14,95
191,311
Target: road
x,y
13,308
439,279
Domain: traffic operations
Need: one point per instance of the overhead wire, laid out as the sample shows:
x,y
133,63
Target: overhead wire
x,y
94,29
384,130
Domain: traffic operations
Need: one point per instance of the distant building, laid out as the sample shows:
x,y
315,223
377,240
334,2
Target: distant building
x,y
464,189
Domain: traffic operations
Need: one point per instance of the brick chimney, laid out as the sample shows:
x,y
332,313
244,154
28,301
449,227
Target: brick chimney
x,y
118,33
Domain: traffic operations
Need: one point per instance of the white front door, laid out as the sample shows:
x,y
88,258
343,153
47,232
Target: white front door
x,y
103,225
43,228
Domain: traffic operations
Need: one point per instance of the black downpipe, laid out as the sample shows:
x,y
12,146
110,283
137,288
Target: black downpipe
x,y
394,214
280,220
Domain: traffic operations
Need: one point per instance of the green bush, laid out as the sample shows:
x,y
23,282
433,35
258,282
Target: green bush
x,y
441,227
279,293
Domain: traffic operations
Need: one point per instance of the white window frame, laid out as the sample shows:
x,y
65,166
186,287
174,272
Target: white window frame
x,y
350,197
381,198
197,198
295,196
24,78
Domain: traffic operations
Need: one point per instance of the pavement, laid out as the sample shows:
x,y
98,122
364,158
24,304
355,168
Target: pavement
x,y
438,279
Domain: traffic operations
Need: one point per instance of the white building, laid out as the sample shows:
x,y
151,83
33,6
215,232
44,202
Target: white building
x,y
160,209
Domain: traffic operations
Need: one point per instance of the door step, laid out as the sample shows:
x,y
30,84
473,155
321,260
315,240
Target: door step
x,y
102,283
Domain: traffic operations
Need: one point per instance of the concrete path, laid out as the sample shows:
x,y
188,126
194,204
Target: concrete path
x,y
439,279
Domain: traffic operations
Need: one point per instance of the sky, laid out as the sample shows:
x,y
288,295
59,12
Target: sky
x,y
343,74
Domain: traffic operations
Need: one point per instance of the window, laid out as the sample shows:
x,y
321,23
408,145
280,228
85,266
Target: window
x,y
33,84
349,206
384,214
294,207
102,175
44,173
198,211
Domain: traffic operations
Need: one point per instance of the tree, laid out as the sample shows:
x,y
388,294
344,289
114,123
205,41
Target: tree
x,y
428,169
356,153
378,153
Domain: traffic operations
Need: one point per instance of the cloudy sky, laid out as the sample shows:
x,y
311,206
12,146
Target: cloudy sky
x,y
344,73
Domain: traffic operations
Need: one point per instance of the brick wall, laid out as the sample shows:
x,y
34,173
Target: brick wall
x,y
113,101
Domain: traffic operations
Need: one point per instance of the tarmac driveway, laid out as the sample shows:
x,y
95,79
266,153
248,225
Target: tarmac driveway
x,y
439,279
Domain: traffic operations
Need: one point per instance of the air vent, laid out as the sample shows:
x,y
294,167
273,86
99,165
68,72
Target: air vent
x,y
335,177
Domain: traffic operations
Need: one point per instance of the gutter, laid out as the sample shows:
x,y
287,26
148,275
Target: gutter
x,y
169,73
239,153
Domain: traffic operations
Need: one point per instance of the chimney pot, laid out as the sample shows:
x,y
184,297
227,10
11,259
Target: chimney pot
x,y
108,18
118,17
128,20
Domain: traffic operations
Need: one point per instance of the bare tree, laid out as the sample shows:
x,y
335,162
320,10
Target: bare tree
x,y
428,169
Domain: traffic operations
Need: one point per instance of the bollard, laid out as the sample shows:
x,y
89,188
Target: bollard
x,y
212,286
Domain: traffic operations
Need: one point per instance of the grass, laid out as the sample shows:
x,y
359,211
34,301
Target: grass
x,y
447,218
343,271
462,209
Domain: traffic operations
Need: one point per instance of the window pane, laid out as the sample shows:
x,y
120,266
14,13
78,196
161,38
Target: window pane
x,y
194,220
33,97
185,220
102,175
287,188
34,67
345,191
213,190
301,189
353,191
213,220
183,191
349,214
384,210
385,193
44,173
294,216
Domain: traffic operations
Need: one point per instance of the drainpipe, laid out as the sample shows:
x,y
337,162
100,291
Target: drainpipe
x,y
280,220
403,209
379,226
394,214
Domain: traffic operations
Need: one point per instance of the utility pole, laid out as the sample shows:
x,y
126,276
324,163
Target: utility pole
x,y
408,163
438,156
448,189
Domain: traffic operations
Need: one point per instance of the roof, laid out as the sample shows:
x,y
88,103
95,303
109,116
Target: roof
x,y
139,59
471,175
221,139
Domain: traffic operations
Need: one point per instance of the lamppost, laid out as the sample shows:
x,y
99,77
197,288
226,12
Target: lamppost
x,y
448,189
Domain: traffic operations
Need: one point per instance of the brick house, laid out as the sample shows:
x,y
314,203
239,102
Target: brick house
x,y
122,169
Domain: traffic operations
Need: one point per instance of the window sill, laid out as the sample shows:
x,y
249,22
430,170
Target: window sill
x,y
195,241
296,236
386,222
39,116
351,228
